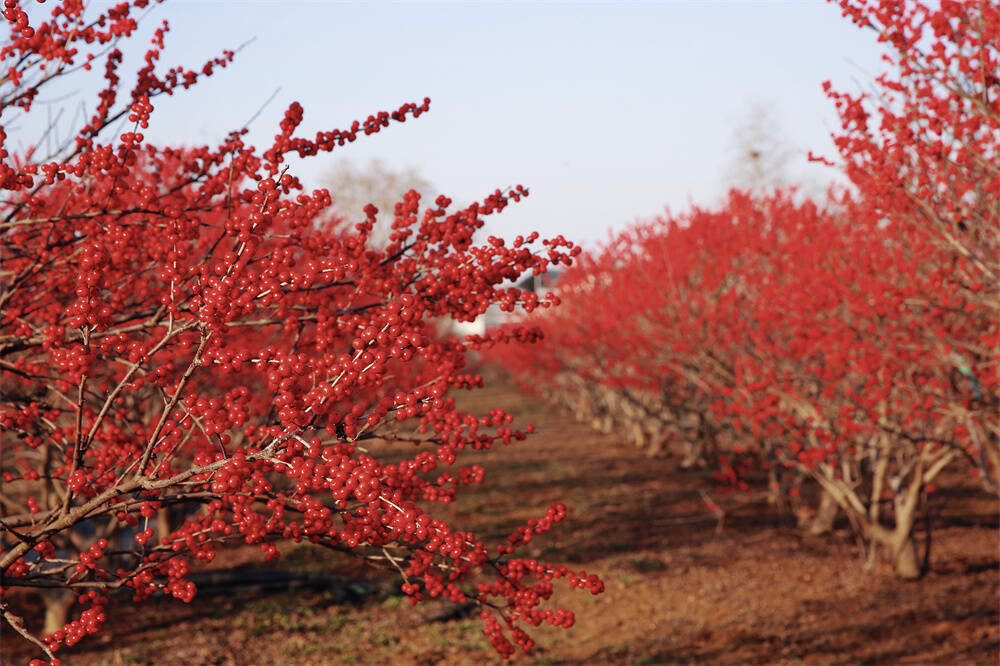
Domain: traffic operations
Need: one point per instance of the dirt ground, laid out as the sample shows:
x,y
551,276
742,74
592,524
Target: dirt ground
x,y
679,589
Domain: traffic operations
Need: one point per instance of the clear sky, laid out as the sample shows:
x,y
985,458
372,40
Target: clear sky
x,y
608,112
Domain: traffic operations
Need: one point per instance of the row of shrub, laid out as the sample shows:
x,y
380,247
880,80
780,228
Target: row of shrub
x,y
851,342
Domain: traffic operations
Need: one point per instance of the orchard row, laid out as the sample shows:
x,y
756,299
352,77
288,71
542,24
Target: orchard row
x,y
854,342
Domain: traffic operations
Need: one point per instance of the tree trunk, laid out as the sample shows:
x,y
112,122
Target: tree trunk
x,y
826,513
692,454
775,496
903,549
57,605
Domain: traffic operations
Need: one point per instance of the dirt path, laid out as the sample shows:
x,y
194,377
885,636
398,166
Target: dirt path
x,y
679,590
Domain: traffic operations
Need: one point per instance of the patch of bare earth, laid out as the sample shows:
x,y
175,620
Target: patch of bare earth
x,y
679,588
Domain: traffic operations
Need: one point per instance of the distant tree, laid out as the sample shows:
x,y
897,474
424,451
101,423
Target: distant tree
x,y
760,151
354,186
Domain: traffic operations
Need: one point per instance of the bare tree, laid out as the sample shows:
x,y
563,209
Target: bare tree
x,y
354,186
761,153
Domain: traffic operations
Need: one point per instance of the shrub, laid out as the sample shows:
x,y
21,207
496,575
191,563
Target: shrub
x,y
186,330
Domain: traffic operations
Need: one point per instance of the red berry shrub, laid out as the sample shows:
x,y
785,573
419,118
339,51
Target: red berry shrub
x,y
855,344
188,331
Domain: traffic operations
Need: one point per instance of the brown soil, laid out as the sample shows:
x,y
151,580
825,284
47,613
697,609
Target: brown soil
x,y
680,589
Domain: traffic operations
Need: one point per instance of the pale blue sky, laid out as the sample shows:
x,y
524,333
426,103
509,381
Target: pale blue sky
x,y
608,112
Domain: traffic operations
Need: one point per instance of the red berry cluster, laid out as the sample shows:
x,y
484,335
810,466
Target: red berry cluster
x,y
89,622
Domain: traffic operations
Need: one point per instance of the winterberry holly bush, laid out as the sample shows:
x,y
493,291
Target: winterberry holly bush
x,y
187,330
